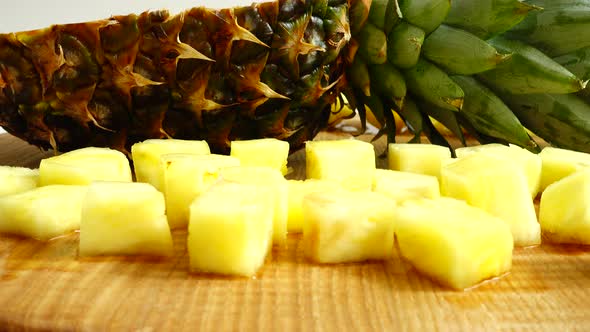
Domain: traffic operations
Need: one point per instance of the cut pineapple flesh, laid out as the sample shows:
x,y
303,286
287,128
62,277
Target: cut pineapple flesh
x,y
402,186
298,189
121,218
81,167
346,226
558,163
452,242
350,162
230,229
417,158
186,176
530,162
146,157
273,180
498,186
267,152
564,212
42,213
14,180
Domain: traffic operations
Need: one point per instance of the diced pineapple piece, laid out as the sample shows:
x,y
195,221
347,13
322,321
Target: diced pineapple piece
x,y
530,162
270,178
230,229
402,186
452,242
348,226
298,189
417,158
564,212
42,213
82,166
120,218
498,186
186,176
267,152
351,162
17,179
559,163
146,157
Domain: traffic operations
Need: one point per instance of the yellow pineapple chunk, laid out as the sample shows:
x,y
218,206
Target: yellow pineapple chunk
x,y
350,162
417,158
496,185
565,209
348,226
559,163
230,229
267,152
273,180
530,162
17,179
42,213
120,218
402,186
186,176
454,243
146,157
298,189
82,166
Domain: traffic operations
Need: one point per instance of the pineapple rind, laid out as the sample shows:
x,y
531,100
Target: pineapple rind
x,y
42,213
452,242
266,152
402,186
17,179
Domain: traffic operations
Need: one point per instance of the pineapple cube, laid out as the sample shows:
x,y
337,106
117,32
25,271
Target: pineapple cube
x,y
42,213
417,158
348,226
559,163
82,166
120,218
146,157
268,152
351,162
230,229
186,176
454,243
498,186
564,212
17,179
402,186
298,189
273,180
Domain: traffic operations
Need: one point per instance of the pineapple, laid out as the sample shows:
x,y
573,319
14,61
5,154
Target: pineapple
x,y
298,190
120,218
17,179
230,229
530,162
42,213
146,157
268,152
559,163
350,162
417,158
402,186
273,180
563,212
455,244
497,186
187,176
347,226
81,167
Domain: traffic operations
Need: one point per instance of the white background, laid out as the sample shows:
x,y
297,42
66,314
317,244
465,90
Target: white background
x,y
20,15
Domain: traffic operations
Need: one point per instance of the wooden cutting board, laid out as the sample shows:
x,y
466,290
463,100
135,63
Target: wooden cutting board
x,y
45,286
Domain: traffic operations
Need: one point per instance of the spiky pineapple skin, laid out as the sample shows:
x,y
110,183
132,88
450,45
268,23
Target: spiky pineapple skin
x,y
267,70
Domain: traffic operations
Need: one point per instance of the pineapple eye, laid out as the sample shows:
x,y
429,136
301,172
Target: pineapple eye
x,y
172,54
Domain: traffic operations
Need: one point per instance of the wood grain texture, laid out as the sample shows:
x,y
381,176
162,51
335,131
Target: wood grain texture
x,y
45,286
